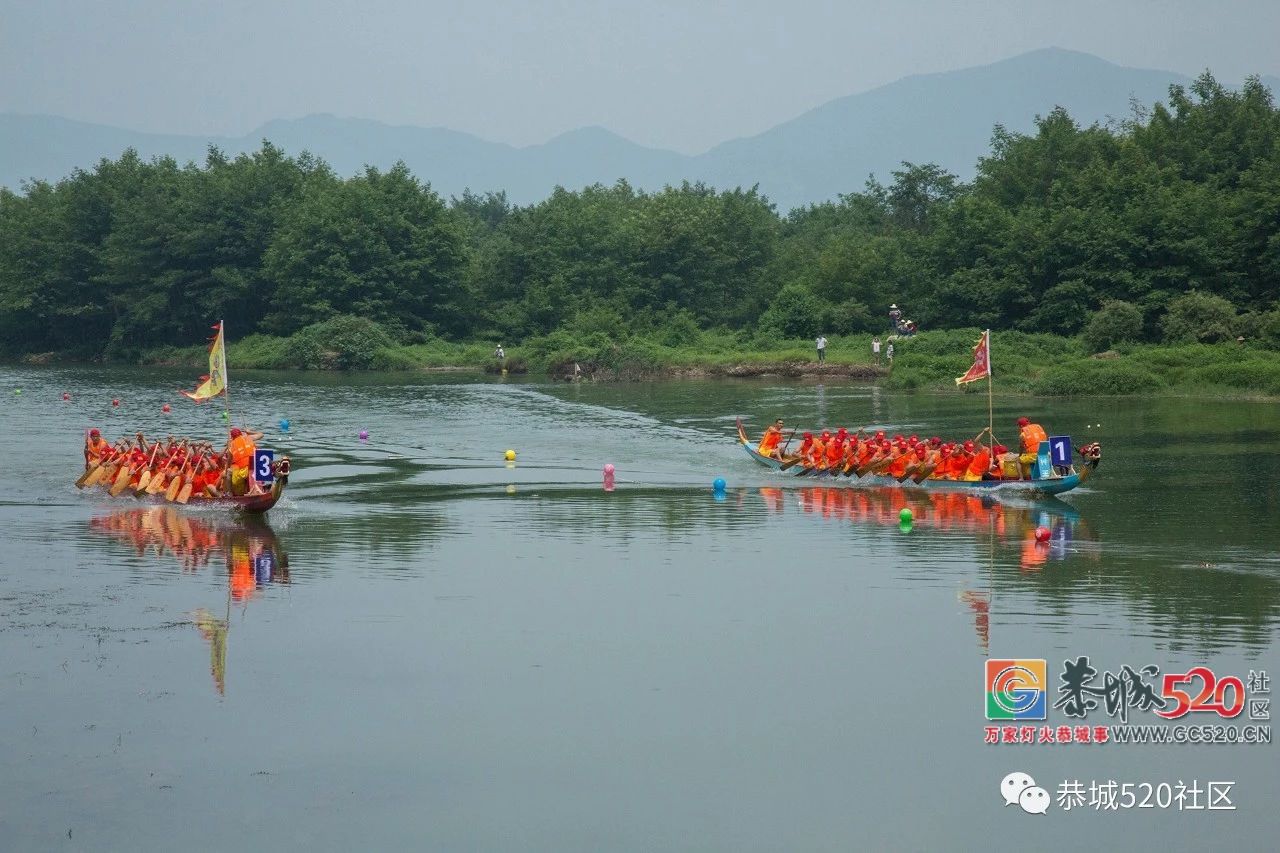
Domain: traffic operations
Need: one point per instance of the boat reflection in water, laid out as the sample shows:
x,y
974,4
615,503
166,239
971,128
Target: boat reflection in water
x,y
248,547
982,517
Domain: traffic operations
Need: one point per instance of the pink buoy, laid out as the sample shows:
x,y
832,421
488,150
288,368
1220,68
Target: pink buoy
x,y
66,396
165,408
115,402
608,469
364,435
608,477
1042,534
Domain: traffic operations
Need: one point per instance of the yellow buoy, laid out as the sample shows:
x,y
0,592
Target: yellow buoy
x,y
510,456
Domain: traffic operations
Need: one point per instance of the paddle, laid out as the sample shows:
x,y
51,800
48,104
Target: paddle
x,y
786,444
122,478
145,479
160,482
175,485
93,469
185,494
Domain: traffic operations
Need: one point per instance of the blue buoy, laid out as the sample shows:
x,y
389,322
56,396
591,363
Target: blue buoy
x,y
719,484
284,424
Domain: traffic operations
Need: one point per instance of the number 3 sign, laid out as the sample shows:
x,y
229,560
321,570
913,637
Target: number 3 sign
x,y
263,468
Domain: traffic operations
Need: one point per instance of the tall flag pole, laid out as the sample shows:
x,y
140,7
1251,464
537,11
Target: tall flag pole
x,y
982,368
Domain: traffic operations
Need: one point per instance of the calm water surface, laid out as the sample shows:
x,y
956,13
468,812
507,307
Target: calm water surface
x,y
424,648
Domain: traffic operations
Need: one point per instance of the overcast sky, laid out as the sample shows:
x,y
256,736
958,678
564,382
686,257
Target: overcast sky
x,y
679,74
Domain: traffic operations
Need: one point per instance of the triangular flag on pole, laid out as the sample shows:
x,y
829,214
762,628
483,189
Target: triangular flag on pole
x,y
981,360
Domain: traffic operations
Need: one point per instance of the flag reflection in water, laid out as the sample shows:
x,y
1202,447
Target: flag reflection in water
x,y
250,551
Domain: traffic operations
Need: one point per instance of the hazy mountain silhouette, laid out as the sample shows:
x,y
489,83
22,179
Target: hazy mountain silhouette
x,y
944,118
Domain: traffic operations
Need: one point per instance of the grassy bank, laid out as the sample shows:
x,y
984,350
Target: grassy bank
x,y
1027,363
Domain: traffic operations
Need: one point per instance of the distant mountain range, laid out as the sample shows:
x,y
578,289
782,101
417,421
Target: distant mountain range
x,y
943,118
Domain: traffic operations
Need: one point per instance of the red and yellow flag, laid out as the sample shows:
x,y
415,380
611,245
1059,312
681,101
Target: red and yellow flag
x,y
216,382
981,360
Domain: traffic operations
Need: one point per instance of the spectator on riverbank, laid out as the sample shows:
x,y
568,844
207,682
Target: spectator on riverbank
x,y
821,343
889,354
875,350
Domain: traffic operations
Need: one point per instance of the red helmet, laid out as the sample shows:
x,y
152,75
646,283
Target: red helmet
x,y
968,445
235,432
880,433
935,441
95,432
1000,448
808,436
914,437
1023,422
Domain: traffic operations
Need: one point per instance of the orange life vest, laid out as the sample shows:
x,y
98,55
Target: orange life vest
x,y
1032,435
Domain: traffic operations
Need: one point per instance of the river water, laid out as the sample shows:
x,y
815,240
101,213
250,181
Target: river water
x,y
426,648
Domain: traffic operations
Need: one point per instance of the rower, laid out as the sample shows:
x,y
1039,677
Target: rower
x,y
239,455
95,447
770,440
1030,435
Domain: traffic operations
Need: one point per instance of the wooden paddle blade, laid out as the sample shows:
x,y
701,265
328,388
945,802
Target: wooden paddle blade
x,y
175,486
83,479
185,494
122,481
157,483
924,473
143,482
95,476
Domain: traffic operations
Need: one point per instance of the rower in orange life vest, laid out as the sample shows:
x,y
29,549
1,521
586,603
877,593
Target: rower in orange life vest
x,y
805,452
1030,435
239,455
771,440
835,449
95,447
980,465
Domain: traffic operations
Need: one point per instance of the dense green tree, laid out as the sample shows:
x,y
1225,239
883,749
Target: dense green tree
x,y
1175,213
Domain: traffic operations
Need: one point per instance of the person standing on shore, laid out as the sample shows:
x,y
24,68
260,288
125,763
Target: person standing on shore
x,y
875,350
821,343
889,354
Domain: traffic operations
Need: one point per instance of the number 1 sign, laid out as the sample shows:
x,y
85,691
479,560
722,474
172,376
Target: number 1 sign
x,y
1060,450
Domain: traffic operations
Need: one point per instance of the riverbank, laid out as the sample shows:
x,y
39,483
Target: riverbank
x,y
1050,365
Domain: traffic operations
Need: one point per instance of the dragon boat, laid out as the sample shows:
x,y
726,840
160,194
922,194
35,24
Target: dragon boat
x,y
254,504
114,471
1054,481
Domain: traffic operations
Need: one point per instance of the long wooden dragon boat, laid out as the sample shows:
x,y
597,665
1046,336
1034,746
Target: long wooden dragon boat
x,y
1052,485
251,504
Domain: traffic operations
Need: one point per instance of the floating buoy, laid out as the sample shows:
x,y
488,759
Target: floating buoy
x,y
226,416
165,408
1042,534
906,516
364,435
719,484
905,525
608,469
115,403
510,456
66,396
17,390
608,477
511,489
284,424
